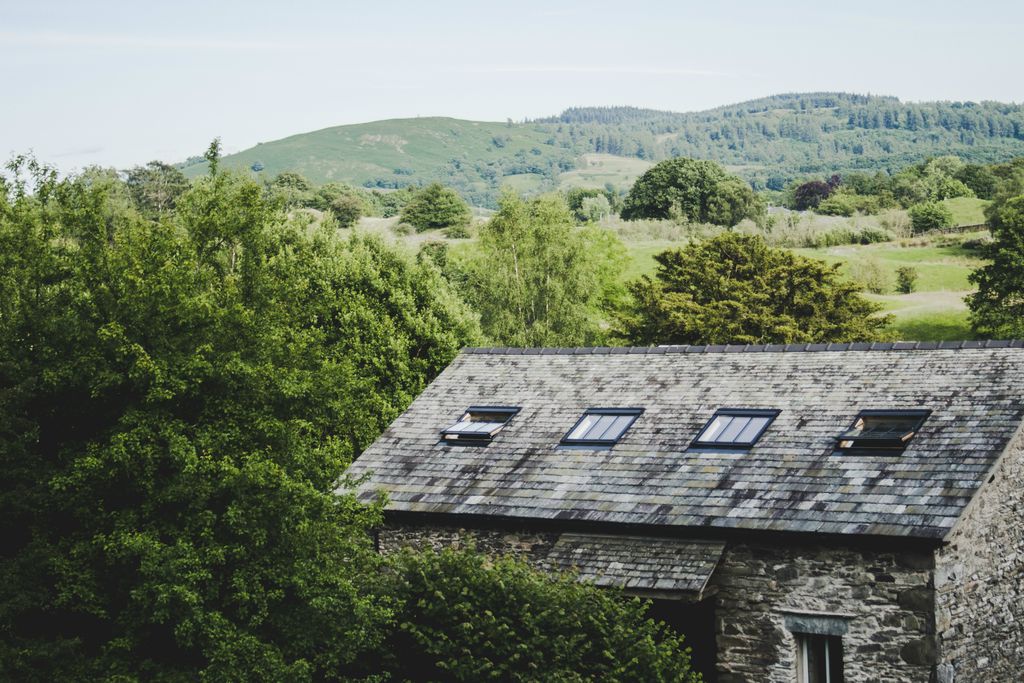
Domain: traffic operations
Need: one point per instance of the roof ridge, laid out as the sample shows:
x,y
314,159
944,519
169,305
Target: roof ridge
x,y
750,348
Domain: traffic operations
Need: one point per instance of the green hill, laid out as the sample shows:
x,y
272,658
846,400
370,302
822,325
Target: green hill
x,y
769,141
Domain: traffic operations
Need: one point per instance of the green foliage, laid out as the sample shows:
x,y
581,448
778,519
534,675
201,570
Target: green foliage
x,y
906,279
179,401
155,187
436,206
930,216
590,204
771,140
538,280
734,288
464,619
870,275
388,204
457,232
838,204
342,202
997,308
291,189
696,191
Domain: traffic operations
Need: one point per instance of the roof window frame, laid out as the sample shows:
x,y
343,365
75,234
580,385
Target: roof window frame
x,y
919,415
634,413
455,437
770,413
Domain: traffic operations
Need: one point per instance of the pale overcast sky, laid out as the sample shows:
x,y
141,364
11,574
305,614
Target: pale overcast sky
x,y
121,83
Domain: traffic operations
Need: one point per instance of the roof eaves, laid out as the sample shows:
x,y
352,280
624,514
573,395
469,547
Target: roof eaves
x,y
750,348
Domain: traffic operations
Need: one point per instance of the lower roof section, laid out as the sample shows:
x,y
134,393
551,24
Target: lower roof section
x,y
637,563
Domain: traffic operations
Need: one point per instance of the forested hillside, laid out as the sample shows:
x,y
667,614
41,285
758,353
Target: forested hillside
x,y
768,142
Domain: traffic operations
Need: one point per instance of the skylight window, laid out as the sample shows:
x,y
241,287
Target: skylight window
x,y
479,424
735,428
601,426
891,429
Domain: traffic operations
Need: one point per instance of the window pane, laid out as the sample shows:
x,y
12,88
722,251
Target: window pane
x,y
716,426
729,434
601,424
583,427
616,428
755,425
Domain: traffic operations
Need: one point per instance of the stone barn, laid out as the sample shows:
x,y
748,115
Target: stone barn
x,y
812,512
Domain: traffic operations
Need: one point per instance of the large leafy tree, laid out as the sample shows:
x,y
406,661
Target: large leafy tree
x,y
997,308
734,288
342,201
697,191
502,621
156,187
178,401
539,280
436,206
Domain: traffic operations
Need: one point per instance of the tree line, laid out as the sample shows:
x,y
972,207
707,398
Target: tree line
x,y
181,394
186,369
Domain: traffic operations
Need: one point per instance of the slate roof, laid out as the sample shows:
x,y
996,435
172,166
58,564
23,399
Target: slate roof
x,y
792,480
637,562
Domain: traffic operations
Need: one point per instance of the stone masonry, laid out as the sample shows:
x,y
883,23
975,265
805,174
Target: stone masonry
x,y
980,581
886,596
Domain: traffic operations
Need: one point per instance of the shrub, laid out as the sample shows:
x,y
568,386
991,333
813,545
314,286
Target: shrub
x,y
976,243
457,232
930,216
906,279
837,205
462,617
870,235
870,274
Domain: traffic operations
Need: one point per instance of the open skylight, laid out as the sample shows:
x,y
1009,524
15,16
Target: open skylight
x,y
892,429
479,424
601,426
735,428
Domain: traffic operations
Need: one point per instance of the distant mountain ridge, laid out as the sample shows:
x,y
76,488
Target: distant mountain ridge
x,y
769,141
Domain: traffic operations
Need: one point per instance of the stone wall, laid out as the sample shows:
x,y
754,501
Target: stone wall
x,y
888,597
979,579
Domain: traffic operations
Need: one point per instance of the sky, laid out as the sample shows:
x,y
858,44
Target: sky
x,y
122,83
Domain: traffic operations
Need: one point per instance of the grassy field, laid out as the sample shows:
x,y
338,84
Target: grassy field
x,y
967,210
597,170
400,149
935,311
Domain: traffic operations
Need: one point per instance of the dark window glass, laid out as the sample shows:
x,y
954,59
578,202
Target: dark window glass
x,y
479,424
819,659
891,429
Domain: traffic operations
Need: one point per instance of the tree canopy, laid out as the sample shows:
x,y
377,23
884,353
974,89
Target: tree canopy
x,y
155,187
436,206
538,280
179,400
697,191
503,621
734,288
997,308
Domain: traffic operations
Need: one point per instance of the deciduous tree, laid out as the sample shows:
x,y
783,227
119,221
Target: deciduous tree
x,y
697,191
179,400
997,308
434,207
538,280
734,288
